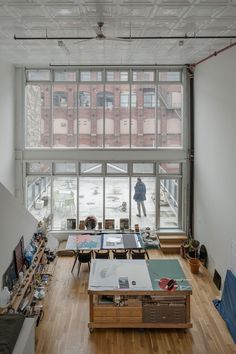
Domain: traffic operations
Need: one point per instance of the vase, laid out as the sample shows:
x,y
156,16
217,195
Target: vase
x,y
82,225
194,265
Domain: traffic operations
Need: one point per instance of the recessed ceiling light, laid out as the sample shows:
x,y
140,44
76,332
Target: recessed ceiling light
x,y
64,12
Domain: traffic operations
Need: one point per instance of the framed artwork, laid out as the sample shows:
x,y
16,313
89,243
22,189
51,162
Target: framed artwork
x,y
10,276
18,255
71,224
124,224
109,224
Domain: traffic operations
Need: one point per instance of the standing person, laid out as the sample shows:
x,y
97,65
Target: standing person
x,y
140,196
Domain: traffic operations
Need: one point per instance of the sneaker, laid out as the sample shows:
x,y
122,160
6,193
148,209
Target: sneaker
x,y
138,215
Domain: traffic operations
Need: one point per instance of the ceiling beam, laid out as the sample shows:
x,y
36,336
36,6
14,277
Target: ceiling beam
x,y
124,38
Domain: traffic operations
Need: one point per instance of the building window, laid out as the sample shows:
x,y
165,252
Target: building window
x,y
60,99
84,99
109,99
149,98
124,99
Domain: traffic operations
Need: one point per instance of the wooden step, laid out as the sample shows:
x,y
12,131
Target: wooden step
x,y
172,239
170,248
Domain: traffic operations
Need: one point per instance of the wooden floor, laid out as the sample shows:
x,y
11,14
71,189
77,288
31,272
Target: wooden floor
x,y
64,328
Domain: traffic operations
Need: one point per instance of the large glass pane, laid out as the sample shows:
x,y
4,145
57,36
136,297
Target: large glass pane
x,y
39,196
64,115
38,75
64,201
143,116
169,76
169,195
143,75
116,75
117,168
37,115
170,168
86,75
170,115
90,115
116,116
143,167
90,168
38,167
116,199
91,197
64,167
143,202
65,75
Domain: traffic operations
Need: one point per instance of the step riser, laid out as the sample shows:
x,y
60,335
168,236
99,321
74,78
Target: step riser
x,y
172,241
171,251
176,240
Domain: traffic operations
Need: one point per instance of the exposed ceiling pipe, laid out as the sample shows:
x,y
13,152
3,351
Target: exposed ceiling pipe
x,y
213,55
127,37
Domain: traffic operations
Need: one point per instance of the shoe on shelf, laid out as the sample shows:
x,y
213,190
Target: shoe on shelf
x,y
138,215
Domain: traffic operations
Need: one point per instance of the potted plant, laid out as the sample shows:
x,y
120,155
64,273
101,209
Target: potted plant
x,y
190,250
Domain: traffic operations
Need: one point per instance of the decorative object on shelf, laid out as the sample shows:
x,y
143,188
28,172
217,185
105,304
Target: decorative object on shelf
x,y
90,222
81,225
5,297
100,225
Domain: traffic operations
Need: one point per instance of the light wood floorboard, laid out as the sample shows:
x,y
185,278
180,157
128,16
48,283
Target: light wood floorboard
x,y
64,328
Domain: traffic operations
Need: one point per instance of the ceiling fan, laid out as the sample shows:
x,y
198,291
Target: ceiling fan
x,y
101,36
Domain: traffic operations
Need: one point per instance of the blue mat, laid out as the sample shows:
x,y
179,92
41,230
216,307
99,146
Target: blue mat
x,y
227,305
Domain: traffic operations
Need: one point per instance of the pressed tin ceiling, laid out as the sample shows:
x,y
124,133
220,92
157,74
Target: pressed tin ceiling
x,y
122,18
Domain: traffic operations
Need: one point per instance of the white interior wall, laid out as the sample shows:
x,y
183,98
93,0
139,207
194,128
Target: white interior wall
x,y
7,119
215,167
15,221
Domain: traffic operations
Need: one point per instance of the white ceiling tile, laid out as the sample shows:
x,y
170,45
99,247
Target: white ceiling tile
x,y
98,10
205,10
26,9
72,18
171,10
63,10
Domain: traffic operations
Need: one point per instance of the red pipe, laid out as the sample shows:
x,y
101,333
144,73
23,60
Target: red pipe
x,y
213,55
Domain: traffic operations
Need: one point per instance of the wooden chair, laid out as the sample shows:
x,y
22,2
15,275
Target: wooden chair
x,y
139,254
102,254
82,257
120,254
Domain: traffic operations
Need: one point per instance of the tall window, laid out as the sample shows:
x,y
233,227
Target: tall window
x,y
105,128
108,190
93,108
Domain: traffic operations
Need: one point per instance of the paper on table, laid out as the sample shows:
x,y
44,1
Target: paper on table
x,y
105,273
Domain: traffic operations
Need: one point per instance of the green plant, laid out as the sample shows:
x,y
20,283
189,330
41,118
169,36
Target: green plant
x,y
191,247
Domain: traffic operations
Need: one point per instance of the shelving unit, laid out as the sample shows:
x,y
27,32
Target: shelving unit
x,y
25,291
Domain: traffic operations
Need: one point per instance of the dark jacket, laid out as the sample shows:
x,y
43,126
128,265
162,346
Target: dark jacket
x,y
140,192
